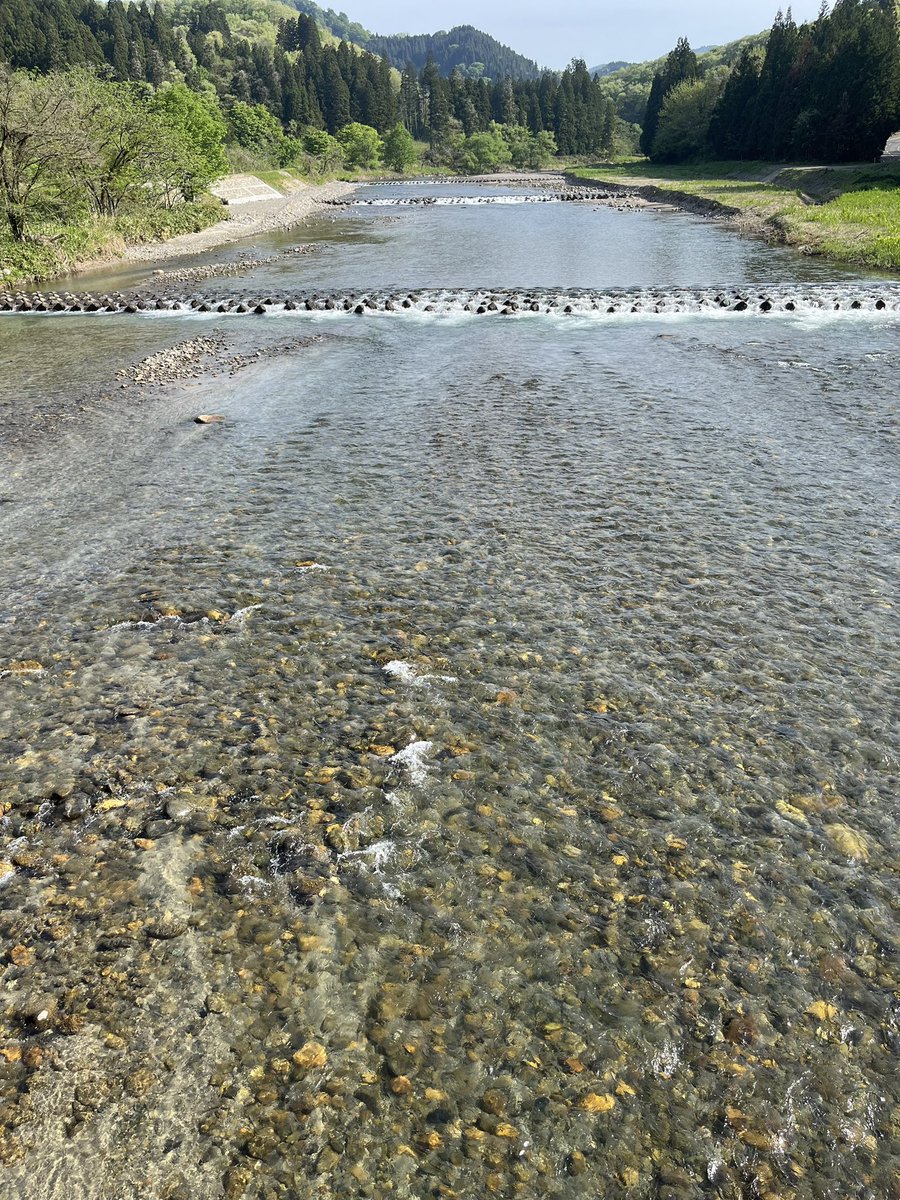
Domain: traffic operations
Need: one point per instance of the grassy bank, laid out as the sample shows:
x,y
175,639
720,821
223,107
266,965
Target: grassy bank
x,y
850,214
286,181
54,248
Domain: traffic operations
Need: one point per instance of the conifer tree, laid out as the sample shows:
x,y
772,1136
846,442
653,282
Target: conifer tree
x,y
734,112
681,66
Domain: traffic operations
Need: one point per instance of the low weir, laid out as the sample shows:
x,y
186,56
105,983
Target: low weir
x,y
796,299
573,196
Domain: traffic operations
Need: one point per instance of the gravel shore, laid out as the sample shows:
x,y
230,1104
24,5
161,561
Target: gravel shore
x,y
248,220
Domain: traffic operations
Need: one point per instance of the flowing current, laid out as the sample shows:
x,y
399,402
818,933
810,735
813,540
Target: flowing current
x,y
469,768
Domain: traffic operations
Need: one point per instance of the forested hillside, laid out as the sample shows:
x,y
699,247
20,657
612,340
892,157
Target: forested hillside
x,y
629,87
338,24
609,69
234,46
826,91
265,56
464,49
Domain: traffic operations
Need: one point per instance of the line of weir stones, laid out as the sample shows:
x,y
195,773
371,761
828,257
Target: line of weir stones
x,y
878,298
577,195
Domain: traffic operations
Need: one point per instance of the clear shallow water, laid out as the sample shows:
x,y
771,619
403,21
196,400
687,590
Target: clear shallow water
x,y
508,245
505,716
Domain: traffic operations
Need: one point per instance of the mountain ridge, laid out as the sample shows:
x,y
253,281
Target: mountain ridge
x,y
464,48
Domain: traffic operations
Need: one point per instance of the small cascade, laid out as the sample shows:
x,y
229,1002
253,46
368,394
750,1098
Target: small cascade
x,y
755,301
572,196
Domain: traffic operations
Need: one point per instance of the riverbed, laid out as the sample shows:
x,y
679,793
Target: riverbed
x,y
469,767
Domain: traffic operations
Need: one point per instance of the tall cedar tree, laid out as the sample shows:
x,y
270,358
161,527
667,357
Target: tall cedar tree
x,y
681,66
827,91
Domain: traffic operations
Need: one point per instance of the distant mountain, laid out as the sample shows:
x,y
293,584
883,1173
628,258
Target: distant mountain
x,y
464,48
474,53
608,69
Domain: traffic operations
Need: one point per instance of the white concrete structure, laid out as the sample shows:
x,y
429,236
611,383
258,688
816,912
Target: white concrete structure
x,y
243,189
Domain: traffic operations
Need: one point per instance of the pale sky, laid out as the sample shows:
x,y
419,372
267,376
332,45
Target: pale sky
x,y
597,30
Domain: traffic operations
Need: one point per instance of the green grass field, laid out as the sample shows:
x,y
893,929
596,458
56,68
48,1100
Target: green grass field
x,y
847,213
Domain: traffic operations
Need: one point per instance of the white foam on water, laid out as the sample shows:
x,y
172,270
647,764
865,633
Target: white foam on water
x,y
380,853
666,1061
254,885
241,615
402,671
714,1168
405,673
375,858
453,201
412,759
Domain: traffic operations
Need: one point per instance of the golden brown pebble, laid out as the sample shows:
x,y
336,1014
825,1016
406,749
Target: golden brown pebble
x,y
311,1057
822,1011
593,1103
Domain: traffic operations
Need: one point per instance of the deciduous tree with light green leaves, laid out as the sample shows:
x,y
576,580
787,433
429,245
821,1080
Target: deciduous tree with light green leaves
x,y
133,148
323,148
484,152
254,127
196,120
399,151
362,145
683,129
529,151
39,140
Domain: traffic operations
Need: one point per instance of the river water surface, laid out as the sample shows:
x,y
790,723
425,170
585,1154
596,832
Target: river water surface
x,y
470,768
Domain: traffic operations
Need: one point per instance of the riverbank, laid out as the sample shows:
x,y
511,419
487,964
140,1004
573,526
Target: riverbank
x,y
847,214
56,248
247,220
159,236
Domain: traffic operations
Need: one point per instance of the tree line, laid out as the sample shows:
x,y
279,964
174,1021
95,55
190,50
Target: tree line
x,y
302,82
826,91
569,106
323,86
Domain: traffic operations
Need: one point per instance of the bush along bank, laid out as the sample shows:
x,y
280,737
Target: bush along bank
x,y
88,165
58,248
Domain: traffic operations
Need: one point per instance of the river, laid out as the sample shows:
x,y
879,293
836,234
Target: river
x,y
470,767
